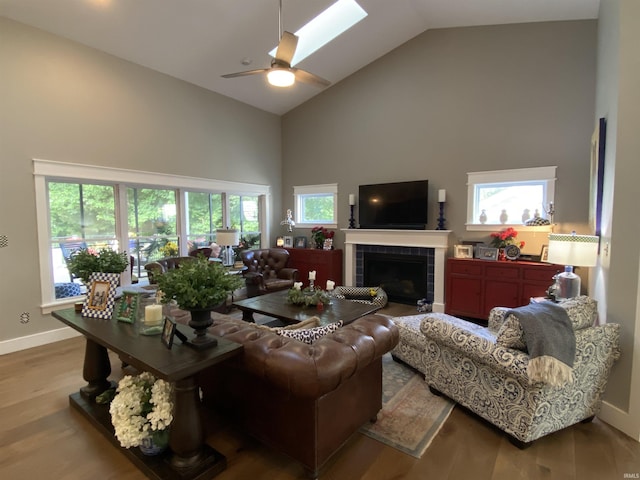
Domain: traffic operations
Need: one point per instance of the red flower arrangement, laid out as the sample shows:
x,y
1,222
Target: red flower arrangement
x,y
504,238
320,234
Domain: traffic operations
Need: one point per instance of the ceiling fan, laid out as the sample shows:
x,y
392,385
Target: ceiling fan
x,y
281,73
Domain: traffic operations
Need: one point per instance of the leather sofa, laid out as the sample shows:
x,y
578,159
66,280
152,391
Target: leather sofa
x,y
485,368
302,400
163,265
267,271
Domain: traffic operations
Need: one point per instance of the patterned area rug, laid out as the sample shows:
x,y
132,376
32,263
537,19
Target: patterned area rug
x,y
411,415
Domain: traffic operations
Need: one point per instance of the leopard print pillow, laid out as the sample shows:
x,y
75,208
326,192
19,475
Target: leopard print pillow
x,y
310,335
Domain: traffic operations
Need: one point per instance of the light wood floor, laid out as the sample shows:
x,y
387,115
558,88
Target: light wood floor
x,y
42,437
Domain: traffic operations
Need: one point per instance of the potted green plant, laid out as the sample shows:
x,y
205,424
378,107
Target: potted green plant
x,y
85,261
198,286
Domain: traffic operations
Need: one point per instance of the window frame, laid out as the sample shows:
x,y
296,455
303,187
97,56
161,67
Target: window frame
x,y
301,191
45,170
523,175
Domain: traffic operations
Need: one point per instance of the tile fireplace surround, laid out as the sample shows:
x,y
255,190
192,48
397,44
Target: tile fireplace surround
x,y
436,239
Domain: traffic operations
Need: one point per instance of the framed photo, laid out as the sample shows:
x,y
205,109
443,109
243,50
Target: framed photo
x,y
128,307
598,140
301,242
288,242
487,253
544,254
463,251
168,332
100,301
328,244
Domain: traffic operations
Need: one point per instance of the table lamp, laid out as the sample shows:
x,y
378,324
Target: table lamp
x,y
227,238
572,251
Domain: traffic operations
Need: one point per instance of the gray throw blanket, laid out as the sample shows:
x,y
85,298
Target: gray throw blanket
x,y
550,340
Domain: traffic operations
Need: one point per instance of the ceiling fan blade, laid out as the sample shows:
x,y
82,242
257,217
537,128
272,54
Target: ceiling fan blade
x,y
311,78
244,74
287,47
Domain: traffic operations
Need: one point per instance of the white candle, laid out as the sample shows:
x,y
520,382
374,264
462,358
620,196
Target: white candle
x,y
312,275
442,195
153,314
352,199
330,285
297,285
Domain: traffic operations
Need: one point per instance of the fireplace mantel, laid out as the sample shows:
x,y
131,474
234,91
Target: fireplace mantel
x,y
436,239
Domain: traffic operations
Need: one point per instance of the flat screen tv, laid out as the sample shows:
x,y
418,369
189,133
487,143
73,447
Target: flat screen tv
x,y
400,205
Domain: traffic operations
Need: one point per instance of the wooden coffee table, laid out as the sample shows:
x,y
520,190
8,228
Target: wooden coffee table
x,y
276,305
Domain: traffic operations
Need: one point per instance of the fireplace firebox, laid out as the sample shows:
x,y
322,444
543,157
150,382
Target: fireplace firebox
x,y
403,277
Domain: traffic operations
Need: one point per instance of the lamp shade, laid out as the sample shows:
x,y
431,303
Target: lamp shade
x,y
574,250
281,77
227,237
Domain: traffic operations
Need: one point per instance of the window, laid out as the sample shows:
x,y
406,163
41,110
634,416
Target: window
x,y
244,216
508,197
204,217
316,205
84,206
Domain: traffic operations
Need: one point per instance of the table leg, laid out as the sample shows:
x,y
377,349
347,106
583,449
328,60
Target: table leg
x,y
187,435
247,316
97,369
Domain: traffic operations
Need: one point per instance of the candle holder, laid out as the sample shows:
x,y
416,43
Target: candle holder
x,y
311,286
352,220
441,218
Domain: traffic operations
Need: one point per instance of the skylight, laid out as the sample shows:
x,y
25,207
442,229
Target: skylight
x,y
336,19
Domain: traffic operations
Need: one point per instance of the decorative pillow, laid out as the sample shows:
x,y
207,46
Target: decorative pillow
x,y
582,311
310,335
308,323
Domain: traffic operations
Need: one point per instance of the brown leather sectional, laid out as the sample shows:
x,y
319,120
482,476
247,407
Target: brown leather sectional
x,y
302,400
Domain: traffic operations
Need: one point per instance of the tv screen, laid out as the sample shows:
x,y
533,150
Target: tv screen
x,y
400,205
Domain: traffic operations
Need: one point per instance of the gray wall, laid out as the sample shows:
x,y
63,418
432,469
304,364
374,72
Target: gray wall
x,y
452,101
616,283
62,101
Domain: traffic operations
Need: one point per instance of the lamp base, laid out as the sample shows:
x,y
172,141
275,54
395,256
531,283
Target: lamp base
x,y
567,285
227,256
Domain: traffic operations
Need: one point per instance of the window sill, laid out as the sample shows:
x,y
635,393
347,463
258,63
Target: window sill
x,y
496,227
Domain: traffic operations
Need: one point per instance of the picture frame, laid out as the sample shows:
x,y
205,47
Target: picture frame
x,y
288,241
544,253
487,253
168,332
598,141
127,310
101,299
328,244
300,242
463,251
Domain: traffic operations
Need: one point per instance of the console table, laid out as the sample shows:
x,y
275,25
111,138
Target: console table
x,y
475,286
189,456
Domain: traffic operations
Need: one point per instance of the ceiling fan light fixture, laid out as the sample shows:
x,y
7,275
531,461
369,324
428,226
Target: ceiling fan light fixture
x,y
281,77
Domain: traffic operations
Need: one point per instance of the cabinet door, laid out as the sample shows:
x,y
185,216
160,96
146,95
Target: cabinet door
x,y
500,294
464,296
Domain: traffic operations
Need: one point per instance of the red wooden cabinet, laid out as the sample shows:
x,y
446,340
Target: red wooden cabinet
x,y
474,287
326,263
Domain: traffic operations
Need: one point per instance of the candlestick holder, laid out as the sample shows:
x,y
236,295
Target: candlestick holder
x,y
352,221
441,218
311,285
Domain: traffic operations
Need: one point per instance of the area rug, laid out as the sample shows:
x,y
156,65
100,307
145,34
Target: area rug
x,y
411,415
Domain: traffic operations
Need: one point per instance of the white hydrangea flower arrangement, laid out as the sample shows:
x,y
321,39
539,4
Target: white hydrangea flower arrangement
x,y
142,406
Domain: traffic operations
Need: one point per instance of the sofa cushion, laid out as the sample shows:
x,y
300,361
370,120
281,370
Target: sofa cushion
x,y
310,335
582,312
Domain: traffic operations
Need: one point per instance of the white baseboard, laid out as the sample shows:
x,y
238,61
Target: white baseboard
x,y
620,419
36,340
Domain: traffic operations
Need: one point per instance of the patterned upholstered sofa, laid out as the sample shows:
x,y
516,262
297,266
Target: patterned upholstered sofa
x,y
485,368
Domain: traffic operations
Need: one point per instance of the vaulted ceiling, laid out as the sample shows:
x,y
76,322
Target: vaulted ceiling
x,y
199,40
